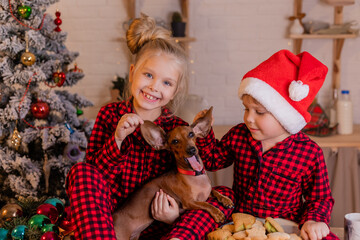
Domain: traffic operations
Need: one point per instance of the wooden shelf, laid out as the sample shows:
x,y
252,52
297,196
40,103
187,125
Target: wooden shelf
x,y
352,140
322,36
338,41
134,9
335,141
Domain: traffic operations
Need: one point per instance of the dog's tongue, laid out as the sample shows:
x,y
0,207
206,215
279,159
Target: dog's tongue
x,y
194,163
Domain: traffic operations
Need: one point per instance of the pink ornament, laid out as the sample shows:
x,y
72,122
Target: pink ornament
x,y
48,210
50,236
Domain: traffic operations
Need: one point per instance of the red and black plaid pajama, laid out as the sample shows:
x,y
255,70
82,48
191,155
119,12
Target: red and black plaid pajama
x,y
101,184
273,183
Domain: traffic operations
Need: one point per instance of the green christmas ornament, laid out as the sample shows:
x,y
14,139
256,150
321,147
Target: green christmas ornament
x,y
39,221
24,11
18,232
79,111
3,233
50,228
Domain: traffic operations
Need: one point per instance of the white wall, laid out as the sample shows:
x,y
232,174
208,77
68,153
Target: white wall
x,y
233,36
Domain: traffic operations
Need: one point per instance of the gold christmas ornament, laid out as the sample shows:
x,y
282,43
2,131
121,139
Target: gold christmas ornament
x,y
10,211
16,139
27,58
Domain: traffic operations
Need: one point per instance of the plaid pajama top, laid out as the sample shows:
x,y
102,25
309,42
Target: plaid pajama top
x,y
289,181
137,162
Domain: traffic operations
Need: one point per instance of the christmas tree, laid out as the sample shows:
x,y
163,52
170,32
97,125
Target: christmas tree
x,y
41,132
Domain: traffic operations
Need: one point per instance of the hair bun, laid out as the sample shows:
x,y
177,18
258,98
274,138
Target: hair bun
x,y
142,30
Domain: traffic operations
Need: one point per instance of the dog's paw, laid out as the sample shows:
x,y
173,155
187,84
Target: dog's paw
x,y
219,217
227,202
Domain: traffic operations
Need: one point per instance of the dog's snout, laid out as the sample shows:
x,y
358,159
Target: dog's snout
x,y
191,150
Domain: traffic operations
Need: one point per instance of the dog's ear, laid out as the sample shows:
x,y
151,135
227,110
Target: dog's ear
x,y
154,135
202,125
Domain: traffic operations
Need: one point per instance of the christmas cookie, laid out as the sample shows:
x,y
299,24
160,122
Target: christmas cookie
x,y
242,221
278,236
272,226
257,233
240,235
293,236
219,234
229,227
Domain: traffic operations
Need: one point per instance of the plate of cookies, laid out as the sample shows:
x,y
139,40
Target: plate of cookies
x,y
247,227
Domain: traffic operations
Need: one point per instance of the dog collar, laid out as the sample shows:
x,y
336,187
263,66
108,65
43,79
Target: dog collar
x,y
193,172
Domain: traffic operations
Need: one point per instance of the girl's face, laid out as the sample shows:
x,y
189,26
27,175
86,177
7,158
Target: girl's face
x,y
262,124
153,85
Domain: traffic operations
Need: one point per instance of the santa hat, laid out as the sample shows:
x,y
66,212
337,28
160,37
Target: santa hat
x,y
286,84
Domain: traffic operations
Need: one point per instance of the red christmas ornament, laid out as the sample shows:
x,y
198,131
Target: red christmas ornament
x,y
65,221
57,21
48,210
40,109
50,236
59,78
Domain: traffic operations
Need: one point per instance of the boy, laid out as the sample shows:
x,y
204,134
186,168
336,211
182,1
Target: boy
x,y
278,171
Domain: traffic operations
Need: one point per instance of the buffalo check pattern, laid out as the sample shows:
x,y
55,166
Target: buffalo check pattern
x,y
101,184
288,181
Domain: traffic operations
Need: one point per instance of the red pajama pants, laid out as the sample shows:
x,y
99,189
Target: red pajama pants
x,y
92,204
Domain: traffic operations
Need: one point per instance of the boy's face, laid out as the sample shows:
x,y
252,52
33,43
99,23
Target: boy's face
x,y
261,123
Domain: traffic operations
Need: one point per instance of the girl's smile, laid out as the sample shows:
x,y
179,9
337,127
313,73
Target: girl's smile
x,y
149,97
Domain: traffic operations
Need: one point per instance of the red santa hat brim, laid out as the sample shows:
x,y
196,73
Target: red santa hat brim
x,y
280,108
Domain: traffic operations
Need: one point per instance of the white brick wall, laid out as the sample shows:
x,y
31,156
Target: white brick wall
x,y
233,36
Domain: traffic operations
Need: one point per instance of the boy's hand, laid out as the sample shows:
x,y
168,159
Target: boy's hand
x,y
127,125
312,230
164,208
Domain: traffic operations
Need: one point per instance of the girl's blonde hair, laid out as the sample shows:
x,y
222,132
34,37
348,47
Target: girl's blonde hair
x,y
146,40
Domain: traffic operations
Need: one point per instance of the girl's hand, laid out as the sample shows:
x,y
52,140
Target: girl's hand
x,y
312,230
164,208
127,125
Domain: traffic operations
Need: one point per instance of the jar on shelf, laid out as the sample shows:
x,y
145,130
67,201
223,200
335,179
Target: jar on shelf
x,y
344,115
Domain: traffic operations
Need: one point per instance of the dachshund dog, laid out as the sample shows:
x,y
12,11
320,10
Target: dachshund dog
x,y
189,184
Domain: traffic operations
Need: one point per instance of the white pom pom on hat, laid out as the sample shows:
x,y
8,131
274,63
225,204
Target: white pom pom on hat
x,y
298,90
286,84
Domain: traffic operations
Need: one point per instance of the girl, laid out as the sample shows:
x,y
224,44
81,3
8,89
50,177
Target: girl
x,y
118,160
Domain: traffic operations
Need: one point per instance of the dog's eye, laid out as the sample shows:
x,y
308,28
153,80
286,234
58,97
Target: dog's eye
x,y
191,134
174,141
